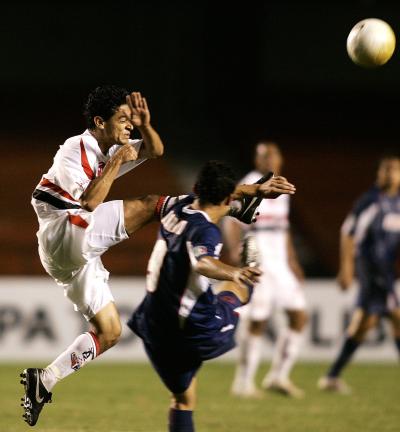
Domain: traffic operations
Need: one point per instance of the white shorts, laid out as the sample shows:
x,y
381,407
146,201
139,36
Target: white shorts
x,y
70,246
278,289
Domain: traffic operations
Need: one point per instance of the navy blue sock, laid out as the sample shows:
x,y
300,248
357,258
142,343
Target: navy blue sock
x,y
397,342
180,421
347,351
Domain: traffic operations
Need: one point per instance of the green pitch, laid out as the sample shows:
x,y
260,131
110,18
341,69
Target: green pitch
x,y
129,398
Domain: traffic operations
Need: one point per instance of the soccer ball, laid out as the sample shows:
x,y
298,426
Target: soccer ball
x,y
371,43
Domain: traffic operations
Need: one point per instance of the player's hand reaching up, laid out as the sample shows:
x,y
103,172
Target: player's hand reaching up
x,y
276,186
246,276
140,116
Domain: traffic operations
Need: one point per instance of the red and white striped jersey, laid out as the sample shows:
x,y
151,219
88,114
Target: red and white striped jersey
x,y
272,224
77,162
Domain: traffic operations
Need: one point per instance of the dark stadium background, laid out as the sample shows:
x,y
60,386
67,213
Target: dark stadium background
x,y
218,77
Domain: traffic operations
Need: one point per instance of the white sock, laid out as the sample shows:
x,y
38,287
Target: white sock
x,y
286,352
240,372
84,349
249,361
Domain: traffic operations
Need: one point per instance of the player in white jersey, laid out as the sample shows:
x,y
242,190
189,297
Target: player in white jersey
x,y
279,287
76,226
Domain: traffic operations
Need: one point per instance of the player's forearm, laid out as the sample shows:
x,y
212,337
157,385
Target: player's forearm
x,y
153,146
347,252
99,188
346,270
215,269
245,190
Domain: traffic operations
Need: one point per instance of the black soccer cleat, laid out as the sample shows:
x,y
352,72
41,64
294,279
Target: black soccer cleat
x,y
246,209
35,397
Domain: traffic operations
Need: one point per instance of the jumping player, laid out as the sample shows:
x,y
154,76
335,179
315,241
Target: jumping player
x,y
279,287
370,245
186,318
76,226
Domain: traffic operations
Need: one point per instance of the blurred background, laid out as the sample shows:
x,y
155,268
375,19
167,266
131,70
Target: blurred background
x,y
218,80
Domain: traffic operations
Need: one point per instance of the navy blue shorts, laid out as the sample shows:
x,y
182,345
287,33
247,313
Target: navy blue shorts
x,y
376,295
178,356
376,300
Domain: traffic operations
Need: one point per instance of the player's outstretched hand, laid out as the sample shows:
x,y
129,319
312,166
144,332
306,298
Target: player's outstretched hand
x,y
140,111
276,186
247,276
126,153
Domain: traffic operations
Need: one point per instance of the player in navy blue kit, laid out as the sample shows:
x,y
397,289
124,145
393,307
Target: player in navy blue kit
x,y
186,317
370,244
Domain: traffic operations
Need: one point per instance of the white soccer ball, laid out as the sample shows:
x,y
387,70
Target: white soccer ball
x,y
371,43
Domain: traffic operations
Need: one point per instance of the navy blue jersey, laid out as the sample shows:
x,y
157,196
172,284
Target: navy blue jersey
x,y
375,225
180,302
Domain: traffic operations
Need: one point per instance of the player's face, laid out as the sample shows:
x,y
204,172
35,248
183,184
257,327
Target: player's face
x,y
268,158
389,174
118,127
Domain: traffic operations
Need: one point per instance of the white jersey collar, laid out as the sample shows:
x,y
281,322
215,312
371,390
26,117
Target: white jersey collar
x,y
94,145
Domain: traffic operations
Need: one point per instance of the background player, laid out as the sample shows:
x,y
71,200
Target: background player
x,y
370,243
280,286
183,320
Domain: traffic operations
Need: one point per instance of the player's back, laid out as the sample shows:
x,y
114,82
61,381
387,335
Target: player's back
x,y
179,300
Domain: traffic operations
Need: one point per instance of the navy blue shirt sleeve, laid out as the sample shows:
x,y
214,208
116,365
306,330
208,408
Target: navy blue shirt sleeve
x,y
204,241
350,223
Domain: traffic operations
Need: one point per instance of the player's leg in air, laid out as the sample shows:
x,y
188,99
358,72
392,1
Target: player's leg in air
x,y
179,371
361,322
114,222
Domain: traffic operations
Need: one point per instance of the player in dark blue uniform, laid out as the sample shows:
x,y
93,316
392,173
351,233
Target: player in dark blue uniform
x,y
370,243
186,317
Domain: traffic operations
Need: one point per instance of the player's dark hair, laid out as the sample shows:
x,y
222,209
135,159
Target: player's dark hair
x,y
103,101
215,182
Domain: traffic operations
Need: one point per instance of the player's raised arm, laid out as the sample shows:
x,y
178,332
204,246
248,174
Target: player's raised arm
x,y
271,189
152,146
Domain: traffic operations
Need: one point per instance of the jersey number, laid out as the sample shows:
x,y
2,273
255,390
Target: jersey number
x,y
155,263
